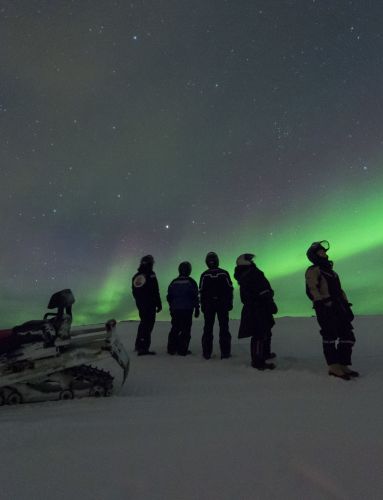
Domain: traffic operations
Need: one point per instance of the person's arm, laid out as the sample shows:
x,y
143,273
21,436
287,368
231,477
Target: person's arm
x,y
194,288
230,291
201,291
266,294
157,294
169,296
201,283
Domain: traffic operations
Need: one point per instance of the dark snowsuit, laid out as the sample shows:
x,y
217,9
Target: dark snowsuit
x,y
216,293
257,312
146,293
333,312
183,300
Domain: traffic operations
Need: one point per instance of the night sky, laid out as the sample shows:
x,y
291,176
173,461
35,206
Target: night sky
x,y
178,127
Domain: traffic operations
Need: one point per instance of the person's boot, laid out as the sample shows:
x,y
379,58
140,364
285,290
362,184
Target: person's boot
x,y
267,350
225,355
263,366
270,355
207,347
348,371
335,370
146,353
184,353
257,350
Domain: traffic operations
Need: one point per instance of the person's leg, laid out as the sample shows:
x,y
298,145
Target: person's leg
x,y
207,337
174,332
186,319
268,353
224,333
327,319
140,329
257,351
328,331
145,328
345,345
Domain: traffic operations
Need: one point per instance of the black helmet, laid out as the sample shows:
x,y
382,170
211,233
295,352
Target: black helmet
x,y
147,260
245,259
212,260
313,250
185,268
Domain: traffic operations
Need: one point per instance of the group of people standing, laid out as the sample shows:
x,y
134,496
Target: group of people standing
x,y
214,297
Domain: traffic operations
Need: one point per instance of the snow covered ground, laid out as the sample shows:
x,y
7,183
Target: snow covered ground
x,y
187,428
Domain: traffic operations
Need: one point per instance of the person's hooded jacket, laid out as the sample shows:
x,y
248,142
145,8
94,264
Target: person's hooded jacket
x,y
257,298
145,288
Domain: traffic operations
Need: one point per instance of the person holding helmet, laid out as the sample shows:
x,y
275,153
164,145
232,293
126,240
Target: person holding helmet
x,y
183,300
147,296
333,311
257,313
216,293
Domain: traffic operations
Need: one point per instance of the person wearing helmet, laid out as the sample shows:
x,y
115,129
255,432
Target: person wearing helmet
x,y
183,300
216,293
257,312
147,296
332,309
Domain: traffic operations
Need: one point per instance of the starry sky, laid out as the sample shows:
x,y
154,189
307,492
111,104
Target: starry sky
x,y
178,127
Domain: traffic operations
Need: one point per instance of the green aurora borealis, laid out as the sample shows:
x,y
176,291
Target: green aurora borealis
x,y
353,225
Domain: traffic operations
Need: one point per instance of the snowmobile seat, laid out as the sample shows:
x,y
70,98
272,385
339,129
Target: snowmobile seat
x,y
46,330
30,326
30,332
62,300
42,330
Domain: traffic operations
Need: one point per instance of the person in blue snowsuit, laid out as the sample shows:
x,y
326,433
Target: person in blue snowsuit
x,y
183,301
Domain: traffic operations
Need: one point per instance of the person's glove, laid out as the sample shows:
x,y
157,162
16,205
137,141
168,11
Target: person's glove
x,y
196,312
158,309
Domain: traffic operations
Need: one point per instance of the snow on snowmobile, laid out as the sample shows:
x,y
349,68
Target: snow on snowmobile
x,y
45,360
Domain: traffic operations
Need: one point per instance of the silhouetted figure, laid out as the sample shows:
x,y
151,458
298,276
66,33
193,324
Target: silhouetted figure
x,y
183,300
146,293
332,309
216,293
258,309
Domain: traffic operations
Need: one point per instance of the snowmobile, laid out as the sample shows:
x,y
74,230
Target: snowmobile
x,y
45,360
